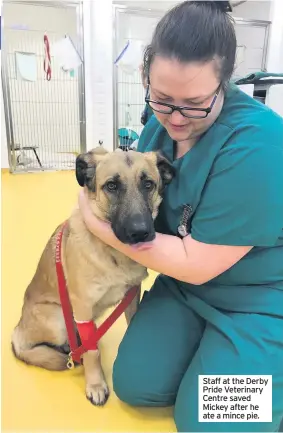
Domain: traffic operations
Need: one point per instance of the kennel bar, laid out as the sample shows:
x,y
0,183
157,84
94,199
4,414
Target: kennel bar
x,y
45,120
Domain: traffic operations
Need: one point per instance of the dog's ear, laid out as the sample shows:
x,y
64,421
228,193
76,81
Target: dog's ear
x,y
86,166
165,168
84,170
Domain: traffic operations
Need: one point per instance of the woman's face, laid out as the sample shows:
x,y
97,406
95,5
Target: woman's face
x,y
193,85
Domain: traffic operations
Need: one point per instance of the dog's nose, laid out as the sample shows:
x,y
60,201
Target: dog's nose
x,y
138,230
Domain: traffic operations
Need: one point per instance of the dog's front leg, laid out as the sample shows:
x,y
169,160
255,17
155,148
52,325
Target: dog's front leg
x,y
97,391
132,308
96,387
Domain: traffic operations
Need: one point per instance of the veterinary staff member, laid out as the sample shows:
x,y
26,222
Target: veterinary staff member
x,y
217,305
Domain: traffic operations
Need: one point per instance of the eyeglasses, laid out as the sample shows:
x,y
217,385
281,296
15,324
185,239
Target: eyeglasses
x,y
193,113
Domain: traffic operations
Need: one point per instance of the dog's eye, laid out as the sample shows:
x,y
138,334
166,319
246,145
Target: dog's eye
x,y
111,186
148,184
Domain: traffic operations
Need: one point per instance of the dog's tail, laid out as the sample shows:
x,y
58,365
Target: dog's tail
x,y
41,355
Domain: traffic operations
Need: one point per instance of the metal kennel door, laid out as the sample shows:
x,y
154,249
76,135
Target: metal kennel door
x,y
45,119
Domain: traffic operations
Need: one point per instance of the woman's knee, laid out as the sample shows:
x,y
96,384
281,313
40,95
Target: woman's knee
x,y
134,388
123,386
151,359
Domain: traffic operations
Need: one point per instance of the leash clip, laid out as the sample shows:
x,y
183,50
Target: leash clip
x,y
70,363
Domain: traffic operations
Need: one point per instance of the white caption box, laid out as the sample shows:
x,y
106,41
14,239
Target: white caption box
x,y
236,398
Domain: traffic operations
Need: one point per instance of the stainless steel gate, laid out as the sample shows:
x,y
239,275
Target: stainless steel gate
x,y
45,120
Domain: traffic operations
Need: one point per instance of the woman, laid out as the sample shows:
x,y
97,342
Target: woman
x,y
217,306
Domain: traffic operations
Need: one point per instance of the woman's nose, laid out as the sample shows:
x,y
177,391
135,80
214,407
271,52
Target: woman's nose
x,y
177,118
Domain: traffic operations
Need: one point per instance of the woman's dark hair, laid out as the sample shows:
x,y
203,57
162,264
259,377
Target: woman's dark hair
x,y
195,31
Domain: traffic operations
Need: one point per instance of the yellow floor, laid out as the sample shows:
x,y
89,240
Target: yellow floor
x,y
34,399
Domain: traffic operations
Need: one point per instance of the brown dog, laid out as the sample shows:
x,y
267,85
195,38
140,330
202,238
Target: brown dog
x,y
125,189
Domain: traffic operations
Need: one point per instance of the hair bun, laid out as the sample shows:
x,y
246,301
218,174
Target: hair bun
x,y
223,6
220,5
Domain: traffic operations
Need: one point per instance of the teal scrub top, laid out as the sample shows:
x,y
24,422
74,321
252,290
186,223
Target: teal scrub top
x,y
232,180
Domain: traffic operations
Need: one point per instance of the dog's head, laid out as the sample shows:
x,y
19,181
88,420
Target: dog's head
x,y
125,189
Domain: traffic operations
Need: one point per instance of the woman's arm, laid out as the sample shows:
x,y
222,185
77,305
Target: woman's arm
x,y
186,260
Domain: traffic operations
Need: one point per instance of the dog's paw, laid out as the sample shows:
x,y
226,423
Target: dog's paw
x,y
97,394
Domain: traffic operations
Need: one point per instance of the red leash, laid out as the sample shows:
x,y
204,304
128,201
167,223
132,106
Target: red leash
x,y
94,333
47,58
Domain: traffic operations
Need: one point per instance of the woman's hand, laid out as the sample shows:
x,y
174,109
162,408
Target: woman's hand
x,y
94,224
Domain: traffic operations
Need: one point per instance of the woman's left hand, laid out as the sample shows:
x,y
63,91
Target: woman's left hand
x,y
94,224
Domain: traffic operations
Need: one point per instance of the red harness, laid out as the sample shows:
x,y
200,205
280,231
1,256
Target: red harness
x,y
89,333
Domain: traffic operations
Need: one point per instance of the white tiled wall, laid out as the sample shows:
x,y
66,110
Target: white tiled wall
x,y
253,10
250,41
275,51
98,48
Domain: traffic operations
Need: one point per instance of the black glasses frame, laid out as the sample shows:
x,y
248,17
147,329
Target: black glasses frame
x,y
180,108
